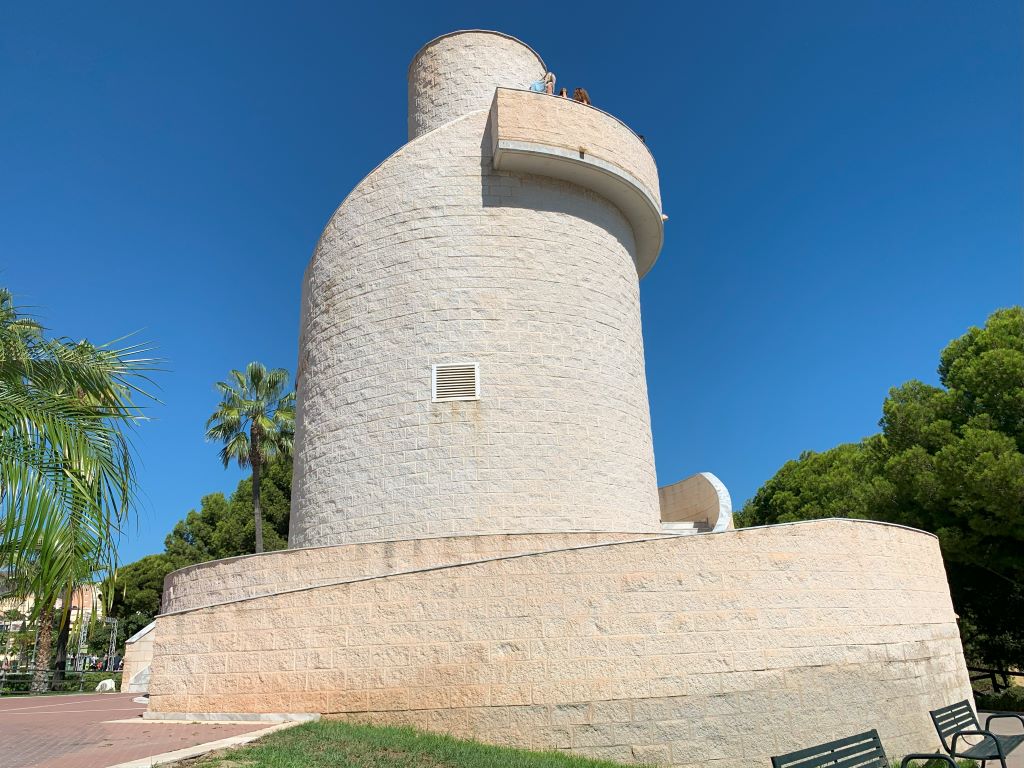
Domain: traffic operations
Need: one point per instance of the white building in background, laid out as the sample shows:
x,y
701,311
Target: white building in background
x,y
86,607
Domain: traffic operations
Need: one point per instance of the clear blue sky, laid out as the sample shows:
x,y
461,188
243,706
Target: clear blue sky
x,y
844,181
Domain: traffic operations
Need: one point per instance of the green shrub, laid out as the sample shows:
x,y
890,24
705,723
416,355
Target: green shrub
x,y
1010,700
16,683
21,682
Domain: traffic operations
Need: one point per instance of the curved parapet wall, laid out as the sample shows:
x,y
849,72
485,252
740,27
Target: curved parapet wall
x,y
700,650
701,499
563,139
456,74
237,578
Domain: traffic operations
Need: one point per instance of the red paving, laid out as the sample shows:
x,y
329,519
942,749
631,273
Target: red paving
x,y
76,732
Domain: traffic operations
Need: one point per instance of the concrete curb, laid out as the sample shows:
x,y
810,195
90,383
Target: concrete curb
x,y
201,749
230,717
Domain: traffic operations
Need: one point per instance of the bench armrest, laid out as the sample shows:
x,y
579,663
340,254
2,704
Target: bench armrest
x,y
995,715
930,756
986,734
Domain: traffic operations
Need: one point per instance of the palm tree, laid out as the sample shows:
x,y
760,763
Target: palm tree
x,y
255,421
67,477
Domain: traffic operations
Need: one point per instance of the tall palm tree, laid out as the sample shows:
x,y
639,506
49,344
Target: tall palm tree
x,y
67,477
255,421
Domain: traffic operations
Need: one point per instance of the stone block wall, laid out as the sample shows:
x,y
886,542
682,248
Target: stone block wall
x,y
437,258
220,581
456,74
718,649
138,658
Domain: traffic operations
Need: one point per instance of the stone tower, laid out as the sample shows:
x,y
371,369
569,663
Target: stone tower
x,y
473,453
471,358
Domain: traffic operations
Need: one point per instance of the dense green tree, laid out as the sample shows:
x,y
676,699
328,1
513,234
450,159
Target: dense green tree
x,y
193,539
955,452
845,481
950,459
237,534
136,590
226,528
957,469
255,421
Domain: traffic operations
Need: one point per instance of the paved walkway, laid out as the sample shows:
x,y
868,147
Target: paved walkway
x,y
83,732
1006,726
77,732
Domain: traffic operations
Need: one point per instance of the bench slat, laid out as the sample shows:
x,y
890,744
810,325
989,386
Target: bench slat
x,y
954,718
961,717
864,749
986,750
871,759
841,758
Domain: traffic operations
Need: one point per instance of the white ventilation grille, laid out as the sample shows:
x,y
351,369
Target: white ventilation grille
x,y
459,381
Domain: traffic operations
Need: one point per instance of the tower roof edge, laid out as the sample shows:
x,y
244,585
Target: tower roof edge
x,y
513,38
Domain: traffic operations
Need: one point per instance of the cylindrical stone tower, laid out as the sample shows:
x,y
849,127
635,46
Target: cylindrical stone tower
x,y
471,358
457,74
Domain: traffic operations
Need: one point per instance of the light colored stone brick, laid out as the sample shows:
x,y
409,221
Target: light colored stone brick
x,y
678,690
457,74
423,263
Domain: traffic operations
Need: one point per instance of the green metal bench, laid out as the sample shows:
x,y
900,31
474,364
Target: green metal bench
x,y
861,751
958,720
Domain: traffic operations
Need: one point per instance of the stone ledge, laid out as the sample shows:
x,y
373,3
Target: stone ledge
x,y
219,582
546,135
233,717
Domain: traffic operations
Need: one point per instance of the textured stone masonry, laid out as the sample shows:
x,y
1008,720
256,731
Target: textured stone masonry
x,y
695,650
138,657
437,258
538,118
456,74
235,578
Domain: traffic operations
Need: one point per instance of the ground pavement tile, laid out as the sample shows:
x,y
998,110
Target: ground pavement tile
x,y
77,732
1005,727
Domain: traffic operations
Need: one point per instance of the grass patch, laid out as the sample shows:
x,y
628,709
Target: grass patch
x,y
336,744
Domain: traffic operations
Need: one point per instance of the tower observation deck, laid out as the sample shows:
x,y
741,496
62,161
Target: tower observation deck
x,y
471,358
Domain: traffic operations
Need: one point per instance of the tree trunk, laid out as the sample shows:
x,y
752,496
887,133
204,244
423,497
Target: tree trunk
x,y
40,681
61,662
256,504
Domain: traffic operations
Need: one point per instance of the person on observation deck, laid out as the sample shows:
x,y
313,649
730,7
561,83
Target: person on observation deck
x,y
549,83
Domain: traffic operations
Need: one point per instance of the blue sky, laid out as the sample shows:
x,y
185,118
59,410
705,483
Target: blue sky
x,y
843,180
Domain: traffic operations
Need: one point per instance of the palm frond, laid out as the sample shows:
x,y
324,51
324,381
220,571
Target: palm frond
x,y
67,477
255,418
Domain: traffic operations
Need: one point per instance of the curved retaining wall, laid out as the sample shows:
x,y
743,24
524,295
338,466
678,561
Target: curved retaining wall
x,y
138,658
719,649
235,578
